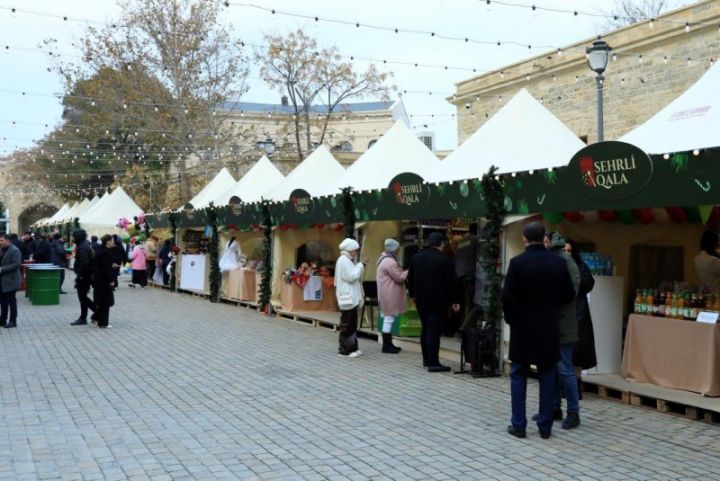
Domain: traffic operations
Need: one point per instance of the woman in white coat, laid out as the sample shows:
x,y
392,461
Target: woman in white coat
x,y
348,290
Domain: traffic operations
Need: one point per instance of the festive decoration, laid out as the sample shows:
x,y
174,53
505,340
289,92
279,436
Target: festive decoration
x,y
349,217
677,214
214,251
490,256
608,215
574,217
626,217
661,216
644,216
551,217
591,216
266,267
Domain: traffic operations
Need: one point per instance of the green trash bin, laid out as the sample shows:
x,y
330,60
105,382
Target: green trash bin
x,y
29,277
45,289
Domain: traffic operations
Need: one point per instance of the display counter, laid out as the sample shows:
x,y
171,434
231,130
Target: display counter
x,y
607,317
292,298
242,285
673,353
194,272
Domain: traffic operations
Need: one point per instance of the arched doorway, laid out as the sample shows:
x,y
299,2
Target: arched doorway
x,y
33,214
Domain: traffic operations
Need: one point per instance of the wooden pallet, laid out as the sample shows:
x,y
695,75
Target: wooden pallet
x,y
646,401
237,302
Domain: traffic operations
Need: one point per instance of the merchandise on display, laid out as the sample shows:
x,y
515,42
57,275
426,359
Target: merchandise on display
x,y
599,264
676,301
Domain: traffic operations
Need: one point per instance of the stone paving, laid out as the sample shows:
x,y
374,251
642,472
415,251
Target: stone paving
x,y
182,389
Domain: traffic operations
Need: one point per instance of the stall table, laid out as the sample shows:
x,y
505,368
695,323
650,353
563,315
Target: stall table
x,y
673,353
292,299
242,284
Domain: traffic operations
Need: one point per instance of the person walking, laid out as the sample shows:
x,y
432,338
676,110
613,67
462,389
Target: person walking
x,y
163,260
151,252
10,280
433,287
537,286
83,275
139,266
57,257
104,280
391,292
584,355
348,290
568,336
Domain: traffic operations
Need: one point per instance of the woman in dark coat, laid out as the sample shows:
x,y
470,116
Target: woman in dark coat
x,y
103,281
584,356
119,258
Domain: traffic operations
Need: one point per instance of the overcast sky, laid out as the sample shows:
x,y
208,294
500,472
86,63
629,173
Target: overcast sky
x,y
27,71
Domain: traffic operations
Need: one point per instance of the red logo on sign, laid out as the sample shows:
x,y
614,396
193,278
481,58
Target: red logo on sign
x,y
587,170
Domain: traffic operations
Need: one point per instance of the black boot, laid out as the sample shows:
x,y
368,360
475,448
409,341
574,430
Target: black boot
x,y
388,347
580,386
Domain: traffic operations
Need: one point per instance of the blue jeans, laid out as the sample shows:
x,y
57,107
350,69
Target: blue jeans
x,y
567,379
518,390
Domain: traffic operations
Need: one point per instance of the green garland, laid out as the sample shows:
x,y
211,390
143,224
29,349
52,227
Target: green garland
x,y
214,251
348,213
266,269
172,219
490,251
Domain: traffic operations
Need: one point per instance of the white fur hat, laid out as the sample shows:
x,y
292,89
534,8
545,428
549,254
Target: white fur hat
x,y
349,245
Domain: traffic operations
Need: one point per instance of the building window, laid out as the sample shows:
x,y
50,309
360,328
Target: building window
x,y
344,146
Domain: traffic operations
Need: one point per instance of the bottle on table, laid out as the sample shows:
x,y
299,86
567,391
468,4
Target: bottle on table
x,y
638,301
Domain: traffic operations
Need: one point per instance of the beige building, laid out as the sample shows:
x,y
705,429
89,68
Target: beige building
x,y
653,63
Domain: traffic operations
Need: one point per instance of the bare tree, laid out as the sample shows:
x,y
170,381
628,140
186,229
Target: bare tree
x,y
626,12
313,77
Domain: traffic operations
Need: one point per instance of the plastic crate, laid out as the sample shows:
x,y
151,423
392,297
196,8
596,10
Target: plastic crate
x,y
406,324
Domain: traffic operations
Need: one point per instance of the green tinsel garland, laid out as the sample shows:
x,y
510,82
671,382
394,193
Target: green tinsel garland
x,y
266,269
172,219
214,251
348,212
490,250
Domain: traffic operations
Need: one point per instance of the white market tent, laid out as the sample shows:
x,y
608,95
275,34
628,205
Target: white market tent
x,y
397,152
691,121
313,175
57,215
94,205
104,217
216,187
257,182
78,210
521,136
67,213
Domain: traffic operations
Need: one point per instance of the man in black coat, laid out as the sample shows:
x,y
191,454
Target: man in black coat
x,y
42,250
537,285
434,288
57,256
103,281
83,274
10,280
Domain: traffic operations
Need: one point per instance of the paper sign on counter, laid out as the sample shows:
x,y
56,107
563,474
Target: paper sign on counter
x,y
708,317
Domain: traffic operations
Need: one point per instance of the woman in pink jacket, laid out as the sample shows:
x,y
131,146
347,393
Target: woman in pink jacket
x,y
139,266
391,292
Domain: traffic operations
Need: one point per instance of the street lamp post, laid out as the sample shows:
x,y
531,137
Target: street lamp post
x,y
597,57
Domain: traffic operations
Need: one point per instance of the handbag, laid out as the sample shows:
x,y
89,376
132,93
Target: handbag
x,y
158,275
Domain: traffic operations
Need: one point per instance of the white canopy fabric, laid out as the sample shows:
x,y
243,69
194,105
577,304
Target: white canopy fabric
x,y
216,187
691,121
94,206
396,152
521,136
79,209
313,175
58,215
257,182
106,214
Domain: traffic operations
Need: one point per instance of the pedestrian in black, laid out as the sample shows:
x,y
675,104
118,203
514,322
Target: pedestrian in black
x,y
29,243
83,274
43,253
58,257
24,251
537,286
119,257
10,280
163,260
94,243
434,288
103,281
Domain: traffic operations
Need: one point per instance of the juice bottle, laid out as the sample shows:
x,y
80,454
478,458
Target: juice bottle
x,y
668,304
694,307
673,306
660,309
649,301
638,301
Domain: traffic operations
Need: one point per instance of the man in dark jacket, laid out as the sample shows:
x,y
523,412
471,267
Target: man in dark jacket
x,y
29,243
83,274
24,251
10,280
433,287
42,250
118,255
537,285
103,281
57,256
164,260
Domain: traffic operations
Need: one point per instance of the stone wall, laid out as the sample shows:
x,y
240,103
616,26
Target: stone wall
x,y
635,89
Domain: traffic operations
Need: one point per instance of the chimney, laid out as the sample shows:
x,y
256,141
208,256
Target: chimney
x,y
284,100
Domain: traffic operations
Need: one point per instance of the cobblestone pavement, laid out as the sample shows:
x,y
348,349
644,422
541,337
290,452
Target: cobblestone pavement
x,y
182,389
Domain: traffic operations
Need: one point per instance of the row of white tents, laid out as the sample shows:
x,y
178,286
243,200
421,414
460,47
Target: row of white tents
x,y
98,215
521,136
